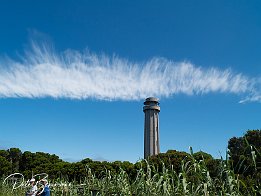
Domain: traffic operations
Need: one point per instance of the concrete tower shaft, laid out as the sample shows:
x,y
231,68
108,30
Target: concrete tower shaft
x,y
151,127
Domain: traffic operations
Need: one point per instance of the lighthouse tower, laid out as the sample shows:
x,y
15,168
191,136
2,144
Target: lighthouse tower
x,y
151,127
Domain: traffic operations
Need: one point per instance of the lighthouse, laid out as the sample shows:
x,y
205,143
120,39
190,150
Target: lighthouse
x,y
151,110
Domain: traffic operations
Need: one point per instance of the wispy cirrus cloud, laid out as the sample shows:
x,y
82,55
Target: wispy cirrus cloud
x,y
83,75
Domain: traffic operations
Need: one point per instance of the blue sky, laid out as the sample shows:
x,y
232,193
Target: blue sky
x,y
74,74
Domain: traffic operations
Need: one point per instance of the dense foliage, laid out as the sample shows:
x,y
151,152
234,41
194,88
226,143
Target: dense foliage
x,y
245,152
170,173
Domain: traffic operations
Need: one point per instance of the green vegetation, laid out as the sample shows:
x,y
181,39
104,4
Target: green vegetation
x,y
170,173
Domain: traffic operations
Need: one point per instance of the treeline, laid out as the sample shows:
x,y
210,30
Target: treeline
x,y
243,157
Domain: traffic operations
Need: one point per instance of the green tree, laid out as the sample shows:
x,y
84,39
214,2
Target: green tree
x,y
245,152
202,156
213,165
171,158
5,166
14,156
4,153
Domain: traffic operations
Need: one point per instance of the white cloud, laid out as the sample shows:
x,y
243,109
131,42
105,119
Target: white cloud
x,y
255,94
75,75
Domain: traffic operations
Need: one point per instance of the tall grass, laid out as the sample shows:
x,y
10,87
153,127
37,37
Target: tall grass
x,y
193,179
